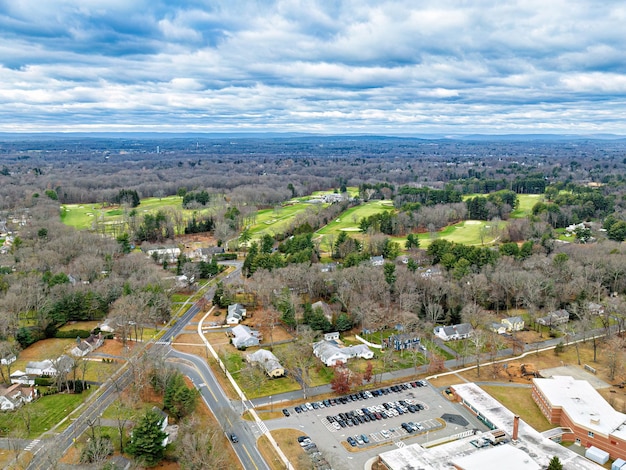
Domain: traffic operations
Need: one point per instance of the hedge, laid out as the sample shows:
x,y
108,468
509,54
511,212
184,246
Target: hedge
x,y
72,334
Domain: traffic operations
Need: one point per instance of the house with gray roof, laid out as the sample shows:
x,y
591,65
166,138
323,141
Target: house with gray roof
x,y
268,361
236,313
244,337
557,317
454,332
330,352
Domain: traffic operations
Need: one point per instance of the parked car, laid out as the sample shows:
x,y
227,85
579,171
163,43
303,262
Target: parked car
x,y
385,433
298,409
351,441
285,411
365,438
233,437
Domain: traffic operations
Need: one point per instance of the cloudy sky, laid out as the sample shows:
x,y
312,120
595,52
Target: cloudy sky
x,y
329,66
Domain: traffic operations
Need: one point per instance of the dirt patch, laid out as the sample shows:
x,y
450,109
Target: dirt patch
x,y
115,347
189,338
45,349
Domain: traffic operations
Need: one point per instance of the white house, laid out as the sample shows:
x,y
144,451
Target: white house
x,y
236,313
454,332
6,404
49,367
169,254
244,337
21,377
268,361
9,358
87,345
330,353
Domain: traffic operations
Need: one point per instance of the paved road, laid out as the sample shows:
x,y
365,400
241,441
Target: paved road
x,y
226,412
46,452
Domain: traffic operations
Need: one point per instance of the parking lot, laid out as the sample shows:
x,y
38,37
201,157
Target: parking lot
x,y
355,427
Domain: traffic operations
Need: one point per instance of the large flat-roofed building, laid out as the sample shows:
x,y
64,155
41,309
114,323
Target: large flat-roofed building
x,y
526,449
575,404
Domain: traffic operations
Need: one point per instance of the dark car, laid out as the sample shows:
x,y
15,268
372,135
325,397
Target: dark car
x,y
298,409
302,438
285,411
365,439
351,441
233,437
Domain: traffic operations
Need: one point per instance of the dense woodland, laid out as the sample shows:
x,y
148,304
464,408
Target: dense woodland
x,y
54,274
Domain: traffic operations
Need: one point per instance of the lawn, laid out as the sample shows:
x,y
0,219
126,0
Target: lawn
x,y
276,220
82,216
526,203
520,402
50,348
45,413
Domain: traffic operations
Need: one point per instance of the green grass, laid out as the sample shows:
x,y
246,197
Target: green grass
x,y
520,402
526,203
82,216
45,413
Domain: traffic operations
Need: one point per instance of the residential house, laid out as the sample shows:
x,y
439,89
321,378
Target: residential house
x,y
243,337
332,336
499,328
169,254
558,317
21,377
6,404
205,254
377,260
15,396
328,267
87,345
515,323
50,368
330,353
106,326
268,361
595,308
454,332
236,313
9,358
402,341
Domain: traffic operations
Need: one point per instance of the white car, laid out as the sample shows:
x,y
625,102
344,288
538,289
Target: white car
x,y
336,425
308,406
385,433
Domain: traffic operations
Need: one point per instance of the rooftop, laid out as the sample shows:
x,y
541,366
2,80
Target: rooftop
x,y
583,404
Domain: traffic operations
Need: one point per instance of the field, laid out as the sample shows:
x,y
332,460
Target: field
x,y
526,203
83,216
276,220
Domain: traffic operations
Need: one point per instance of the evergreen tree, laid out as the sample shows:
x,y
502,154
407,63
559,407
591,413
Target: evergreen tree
x,y
555,464
146,443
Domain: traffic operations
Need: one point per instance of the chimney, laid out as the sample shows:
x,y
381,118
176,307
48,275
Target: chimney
x,y
515,427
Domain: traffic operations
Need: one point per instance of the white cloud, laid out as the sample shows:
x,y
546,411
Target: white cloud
x,y
395,65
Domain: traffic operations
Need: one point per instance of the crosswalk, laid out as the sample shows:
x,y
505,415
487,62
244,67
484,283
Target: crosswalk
x,y
34,443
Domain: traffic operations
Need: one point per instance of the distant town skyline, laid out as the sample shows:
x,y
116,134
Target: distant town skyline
x,y
361,67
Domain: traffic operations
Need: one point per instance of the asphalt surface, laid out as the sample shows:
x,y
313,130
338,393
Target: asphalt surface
x,y
47,450
224,410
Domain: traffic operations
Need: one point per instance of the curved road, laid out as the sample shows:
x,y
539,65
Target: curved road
x,y
47,452
203,378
